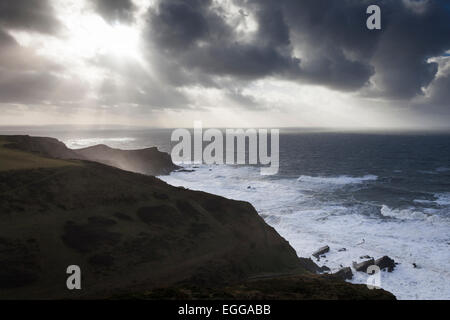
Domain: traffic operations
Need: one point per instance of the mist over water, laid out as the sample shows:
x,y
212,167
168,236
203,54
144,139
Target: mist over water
x,y
372,194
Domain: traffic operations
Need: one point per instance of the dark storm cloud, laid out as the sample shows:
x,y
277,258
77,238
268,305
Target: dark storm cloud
x,y
411,37
341,51
343,54
30,15
115,10
336,48
178,24
196,36
332,39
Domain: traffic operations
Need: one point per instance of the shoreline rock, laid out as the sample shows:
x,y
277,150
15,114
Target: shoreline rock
x,y
321,251
362,266
385,263
344,273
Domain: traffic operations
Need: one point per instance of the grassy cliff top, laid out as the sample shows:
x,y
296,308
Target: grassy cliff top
x,y
11,159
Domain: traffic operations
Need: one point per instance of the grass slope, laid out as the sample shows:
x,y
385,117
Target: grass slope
x,y
11,159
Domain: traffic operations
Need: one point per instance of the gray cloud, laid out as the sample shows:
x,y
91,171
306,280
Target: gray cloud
x,y
195,36
25,76
28,78
120,91
36,88
31,15
410,38
128,83
115,10
440,92
438,95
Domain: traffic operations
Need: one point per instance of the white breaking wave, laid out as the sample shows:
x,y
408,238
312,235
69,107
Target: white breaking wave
x,y
339,180
443,199
403,214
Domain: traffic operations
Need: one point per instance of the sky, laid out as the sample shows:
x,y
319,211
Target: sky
x,y
227,63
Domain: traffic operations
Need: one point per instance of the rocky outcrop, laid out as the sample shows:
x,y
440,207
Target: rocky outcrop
x,y
148,161
385,263
344,274
362,266
321,251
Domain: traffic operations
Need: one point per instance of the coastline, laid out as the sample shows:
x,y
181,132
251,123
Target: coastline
x,y
131,233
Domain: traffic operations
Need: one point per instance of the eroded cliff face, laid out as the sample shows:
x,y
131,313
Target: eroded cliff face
x,y
148,161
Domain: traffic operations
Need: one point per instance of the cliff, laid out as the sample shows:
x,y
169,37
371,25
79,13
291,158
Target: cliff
x,y
148,161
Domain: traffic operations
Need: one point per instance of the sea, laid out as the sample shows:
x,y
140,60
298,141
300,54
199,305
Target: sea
x,y
372,193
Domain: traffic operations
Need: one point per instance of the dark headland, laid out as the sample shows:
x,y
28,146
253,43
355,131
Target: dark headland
x,y
134,236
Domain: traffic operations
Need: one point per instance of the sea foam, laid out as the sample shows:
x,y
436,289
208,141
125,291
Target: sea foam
x,y
308,218
344,179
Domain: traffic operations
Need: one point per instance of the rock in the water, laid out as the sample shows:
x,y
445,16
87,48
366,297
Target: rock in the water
x,y
325,269
344,273
309,265
321,251
365,257
362,266
185,170
385,263
342,250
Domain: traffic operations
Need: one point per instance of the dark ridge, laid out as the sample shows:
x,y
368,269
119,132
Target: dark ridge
x,y
149,161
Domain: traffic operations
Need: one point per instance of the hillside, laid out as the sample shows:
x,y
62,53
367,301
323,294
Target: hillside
x,y
148,161
42,146
121,229
14,159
